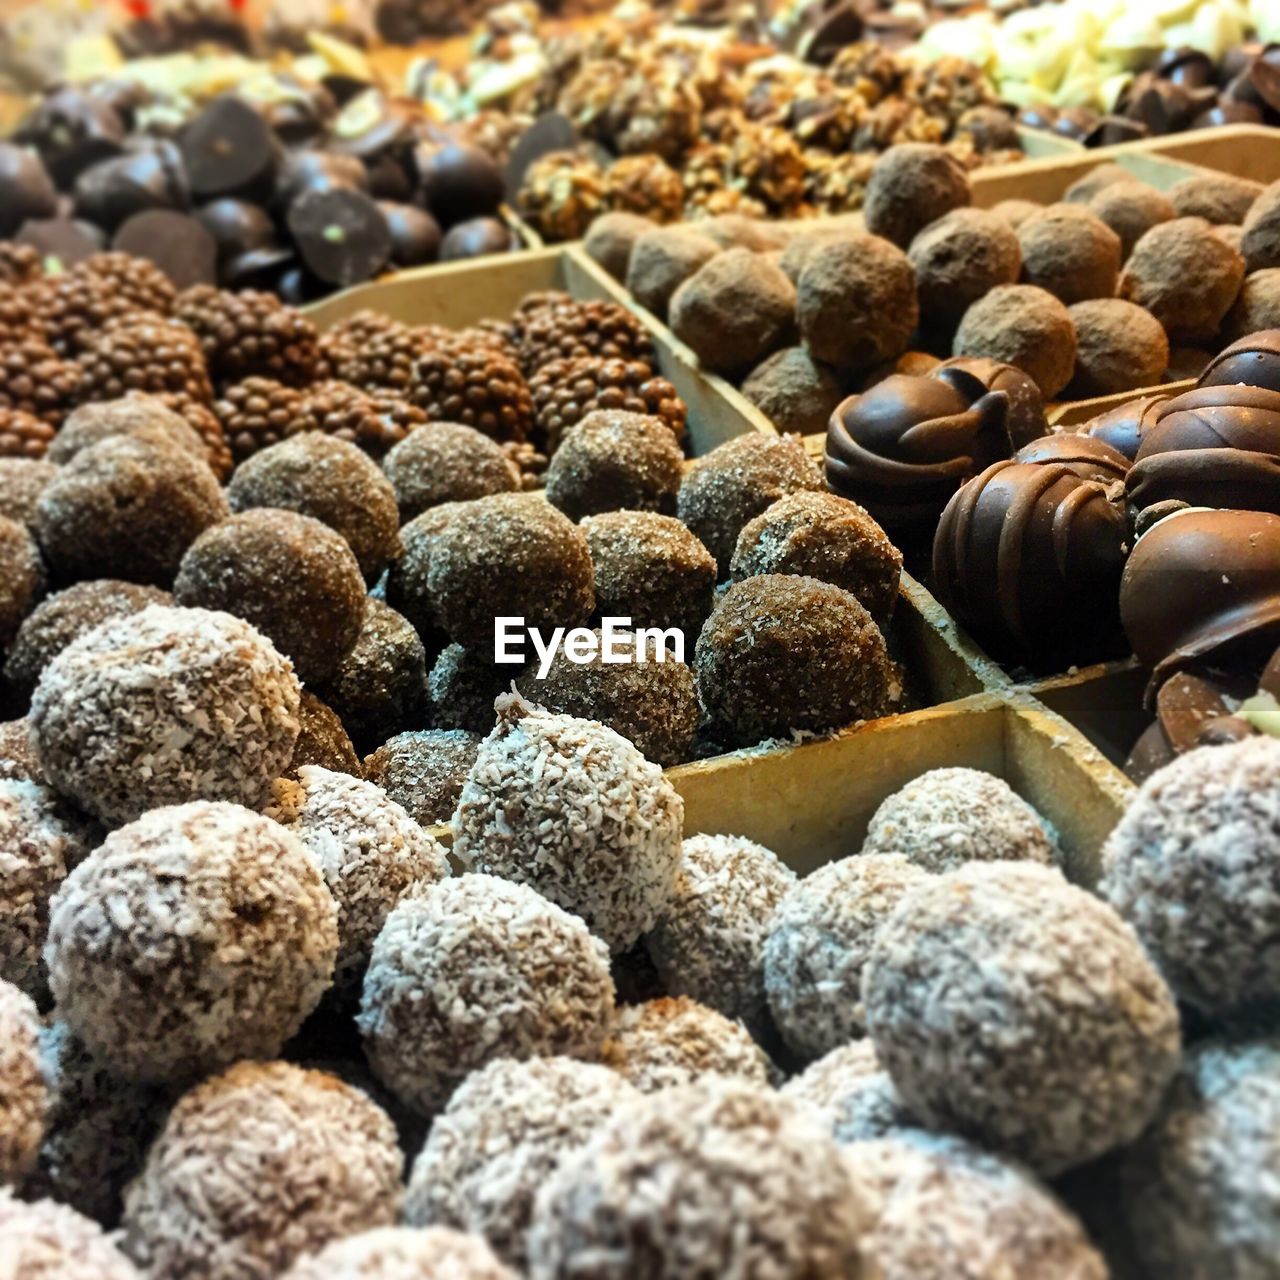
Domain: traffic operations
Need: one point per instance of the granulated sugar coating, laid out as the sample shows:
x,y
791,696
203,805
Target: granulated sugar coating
x,y
717,1178
505,1130
1201,1188
408,588
709,943
473,969
322,740
292,577
24,1098
22,578
48,1241
464,685
22,481
40,842
424,770
132,415
370,852
574,810
127,507
947,817
736,482
853,1091
447,462
256,1168
818,944
1191,866
674,1040
165,706
782,653
510,554
197,935
401,1253
942,1208
1012,1007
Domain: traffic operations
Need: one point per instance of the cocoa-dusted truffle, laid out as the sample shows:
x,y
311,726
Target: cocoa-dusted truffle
x,y
239,911
960,258
256,1168
715,1178
1119,346
1083,189
463,684
734,311
1025,326
1257,306
402,1253
612,238
126,508
1016,212
23,580
709,943
794,391
322,740
133,414
817,947
854,1093
1078,1034
24,1097
573,809
856,302
293,578
22,481
912,185
1131,209
506,1128
738,480
424,771
48,1241
164,706
1070,252
1186,276
1260,242
476,968
782,653
330,480
447,462
662,260
1219,198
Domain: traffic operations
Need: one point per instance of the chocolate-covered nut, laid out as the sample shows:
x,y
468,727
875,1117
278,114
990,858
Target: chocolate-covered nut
x,y
237,226
148,176
1160,105
176,242
318,171
71,129
230,150
1124,428
1087,456
549,133
458,182
475,238
341,235
25,189
415,234
62,242
1254,360
1190,67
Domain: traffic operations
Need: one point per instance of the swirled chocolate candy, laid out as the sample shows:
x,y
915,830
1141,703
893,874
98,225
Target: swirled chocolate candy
x,y
1123,428
1254,360
1089,457
1026,405
1028,557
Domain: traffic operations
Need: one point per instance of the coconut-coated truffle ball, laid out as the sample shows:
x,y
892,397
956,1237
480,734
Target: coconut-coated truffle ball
x,y
463,685
423,771
476,968
856,302
783,652
1131,209
164,706
199,934
1216,197
1200,1186
66,616
612,237
912,185
1190,866
1186,276
24,1098
292,577
947,817
854,1093
1012,1007
48,1241
734,311
1070,252
1025,326
738,480
403,1253
673,1040
22,481
650,568
709,943
22,578
960,258
257,1167
132,415
506,1128
613,460
322,740
828,537
331,480
574,810
818,944
715,1178
662,260
17,755
1119,347
1260,242
447,462
794,391
126,508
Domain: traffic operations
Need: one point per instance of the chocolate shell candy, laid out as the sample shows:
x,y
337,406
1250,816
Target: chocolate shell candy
x,y
1087,456
1028,557
1125,427
415,234
458,182
1254,359
342,236
237,227
307,170
176,242
62,242
72,129
230,150
150,176
475,238
1026,420
25,189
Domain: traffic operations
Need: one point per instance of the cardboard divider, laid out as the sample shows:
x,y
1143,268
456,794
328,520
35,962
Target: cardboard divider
x,y
1244,150
1105,702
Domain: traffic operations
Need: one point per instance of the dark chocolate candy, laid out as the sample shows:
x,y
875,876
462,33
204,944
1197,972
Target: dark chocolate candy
x,y
258,268
72,129
237,226
1123,428
1264,73
370,124
25,189
342,236
1112,130
318,171
1254,360
230,150
176,242
1184,66
1191,711
148,176
415,234
829,29
1026,420
62,242
475,238
550,132
389,179
1089,457
1224,112
458,182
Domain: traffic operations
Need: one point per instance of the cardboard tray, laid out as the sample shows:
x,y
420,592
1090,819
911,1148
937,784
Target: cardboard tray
x,y
1244,150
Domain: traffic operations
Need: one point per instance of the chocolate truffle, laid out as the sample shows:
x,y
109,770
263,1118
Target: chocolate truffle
x,y
240,909
1026,417
611,239
1119,346
734,312
24,1097
48,1241
1016,212
1220,198
1025,326
794,391
1082,190
219,719
1078,1034
1186,276
856,302
1130,209
407,586
23,580
662,260
330,480
823,536
463,685
1124,427
17,755
1253,359
134,414
506,1128
1087,456
1070,252
737,481
912,185
424,770
1261,240
476,968
402,1253
341,235
233,1183
477,238
960,258
26,191
852,1090
322,740
1258,305
22,481
447,462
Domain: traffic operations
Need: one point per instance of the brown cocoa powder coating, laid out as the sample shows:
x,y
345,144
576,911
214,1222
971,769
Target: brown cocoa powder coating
x,y
662,260
1130,209
1071,252
1220,198
794,391
1260,243
1022,325
912,185
960,258
1119,347
1258,306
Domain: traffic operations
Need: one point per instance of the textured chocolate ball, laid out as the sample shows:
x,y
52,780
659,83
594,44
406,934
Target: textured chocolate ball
x,y
1260,242
662,260
1131,209
46,1240
464,684
447,462
18,758
852,1090
293,578
133,414
322,740
1024,326
407,588
22,481
912,185
1219,198
794,391
23,581
1119,347
424,770
1016,212
1257,306
612,238
1070,252
960,258
24,1096
402,1253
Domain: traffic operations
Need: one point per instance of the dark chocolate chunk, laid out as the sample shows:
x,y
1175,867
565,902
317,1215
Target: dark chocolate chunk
x,y
230,150
476,238
458,182
237,226
176,242
342,236
25,189
415,234
72,129
149,176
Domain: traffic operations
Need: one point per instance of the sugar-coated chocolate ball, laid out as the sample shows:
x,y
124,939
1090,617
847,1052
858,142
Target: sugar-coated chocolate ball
x,y
423,771
22,481
408,580
1119,347
132,415
794,391
1131,209
23,580
662,260
447,462
912,185
854,1093
611,239
403,1253
1024,326
322,740
45,1240
960,258
1219,198
464,684
24,1096
1260,242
